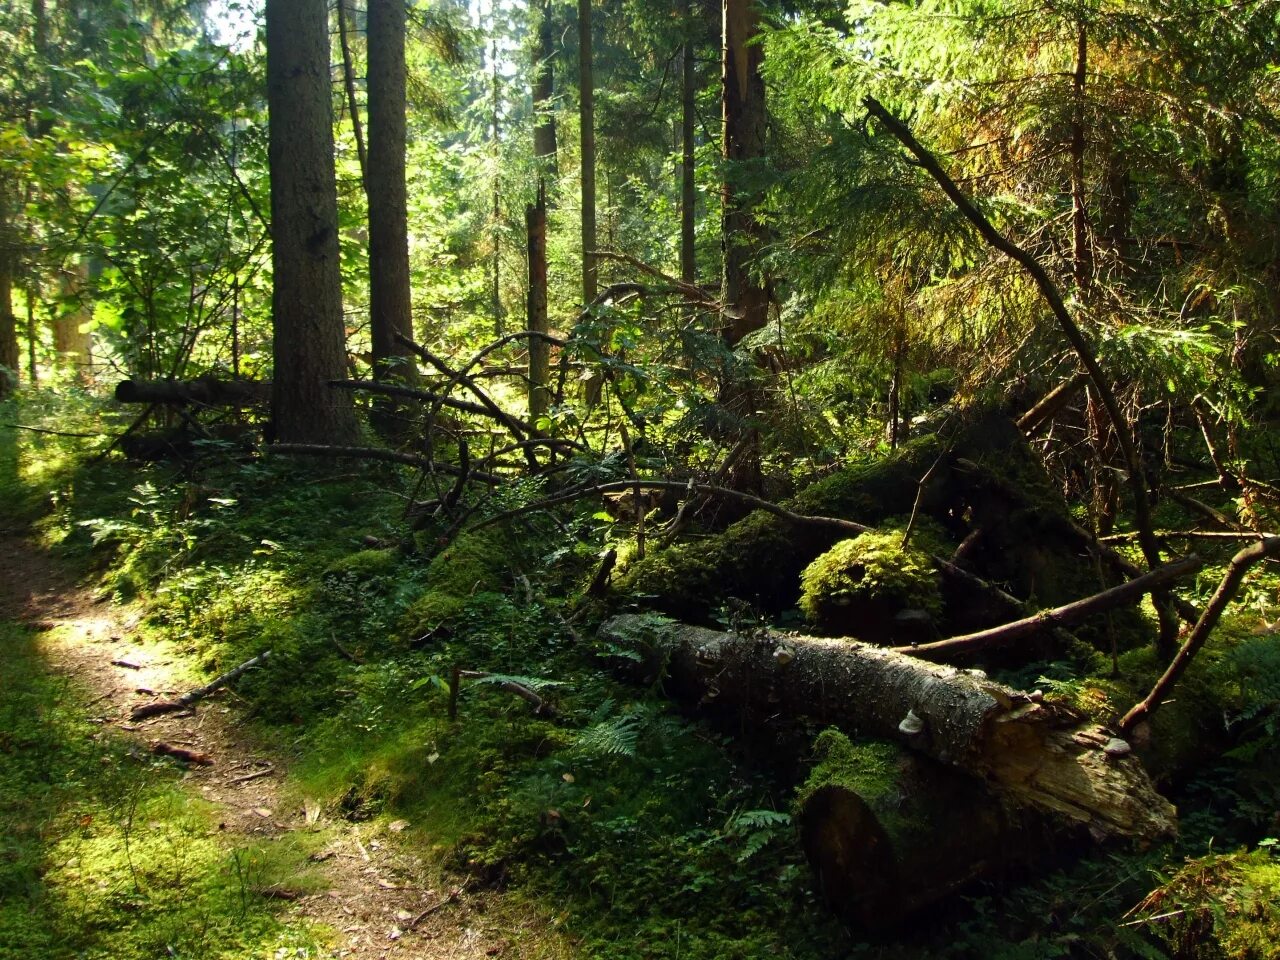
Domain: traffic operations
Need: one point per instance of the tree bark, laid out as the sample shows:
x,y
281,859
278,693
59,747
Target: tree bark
x,y
544,130
539,349
688,192
349,85
9,356
307,317
586,124
390,300
743,112
1029,754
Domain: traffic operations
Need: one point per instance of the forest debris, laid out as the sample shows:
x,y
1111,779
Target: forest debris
x,y
159,707
454,895
162,749
1266,548
1025,751
540,706
1059,616
256,775
126,664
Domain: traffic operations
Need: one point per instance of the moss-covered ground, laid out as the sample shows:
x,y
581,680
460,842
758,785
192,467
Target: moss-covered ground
x,y
627,829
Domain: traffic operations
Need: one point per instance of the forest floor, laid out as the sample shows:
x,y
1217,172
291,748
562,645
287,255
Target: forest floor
x,y
361,893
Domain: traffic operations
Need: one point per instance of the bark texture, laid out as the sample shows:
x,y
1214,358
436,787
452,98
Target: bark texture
x,y
539,349
309,331
390,300
1027,753
744,121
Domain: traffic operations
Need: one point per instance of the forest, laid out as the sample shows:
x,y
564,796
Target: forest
x,y
634,480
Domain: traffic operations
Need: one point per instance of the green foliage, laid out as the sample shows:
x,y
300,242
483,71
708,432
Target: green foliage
x,y
870,568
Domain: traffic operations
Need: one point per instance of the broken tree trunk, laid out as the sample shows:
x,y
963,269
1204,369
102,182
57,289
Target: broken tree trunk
x,y
965,778
888,831
1028,753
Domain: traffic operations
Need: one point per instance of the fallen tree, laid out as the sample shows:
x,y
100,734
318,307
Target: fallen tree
x,y
1039,763
203,391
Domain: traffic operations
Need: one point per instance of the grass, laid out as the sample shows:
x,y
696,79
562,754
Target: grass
x,y
103,853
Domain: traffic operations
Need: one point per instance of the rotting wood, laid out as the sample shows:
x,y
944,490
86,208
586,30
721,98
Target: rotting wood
x,y
540,706
159,707
162,749
1029,753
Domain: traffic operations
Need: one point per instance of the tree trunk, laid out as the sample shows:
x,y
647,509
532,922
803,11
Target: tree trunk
x,y
688,193
307,317
496,226
1029,754
390,308
349,85
586,123
1081,253
544,130
539,350
72,339
742,100
9,356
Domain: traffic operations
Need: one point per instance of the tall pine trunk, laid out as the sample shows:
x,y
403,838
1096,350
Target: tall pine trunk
x,y
688,194
743,110
390,303
586,125
309,331
544,151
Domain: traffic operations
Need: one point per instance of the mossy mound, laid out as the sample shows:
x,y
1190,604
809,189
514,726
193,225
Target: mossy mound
x,y
858,585
474,564
364,565
1222,907
760,558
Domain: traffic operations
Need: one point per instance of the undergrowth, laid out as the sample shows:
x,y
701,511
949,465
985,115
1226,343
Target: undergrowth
x,y
639,832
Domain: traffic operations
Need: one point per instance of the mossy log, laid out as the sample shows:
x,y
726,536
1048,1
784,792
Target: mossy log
x,y
888,831
760,558
1028,754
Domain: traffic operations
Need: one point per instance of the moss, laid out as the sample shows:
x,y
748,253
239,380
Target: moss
x,y
760,557
867,579
365,564
473,564
1222,907
868,768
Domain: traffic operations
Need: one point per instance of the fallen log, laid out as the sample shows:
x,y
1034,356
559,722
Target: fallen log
x,y
965,778
203,391
888,831
1028,753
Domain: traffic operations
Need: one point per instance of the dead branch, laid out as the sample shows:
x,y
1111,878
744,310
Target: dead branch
x,y
162,749
1051,404
540,706
1059,616
1264,549
690,290
520,430
377,453
159,707
428,396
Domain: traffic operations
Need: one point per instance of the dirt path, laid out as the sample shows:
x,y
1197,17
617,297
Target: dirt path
x,y
378,899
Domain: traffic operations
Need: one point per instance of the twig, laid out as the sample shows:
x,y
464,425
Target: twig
x,y
256,775
915,507
55,433
159,707
377,453
453,896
